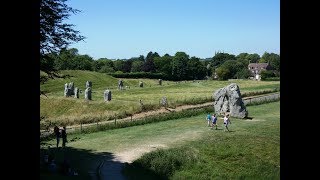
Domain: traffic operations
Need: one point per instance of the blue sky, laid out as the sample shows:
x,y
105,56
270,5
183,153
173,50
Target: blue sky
x,y
129,28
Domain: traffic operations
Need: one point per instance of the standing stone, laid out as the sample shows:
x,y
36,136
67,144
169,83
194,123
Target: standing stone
x,y
88,84
87,93
70,89
120,84
65,90
160,82
164,101
228,100
140,84
107,95
76,92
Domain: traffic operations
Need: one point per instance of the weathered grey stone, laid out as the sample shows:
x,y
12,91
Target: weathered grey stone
x,y
88,84
228,100
107,95
76,92
65,90
120,84
140,84
70,89
160,82
87,93
164,101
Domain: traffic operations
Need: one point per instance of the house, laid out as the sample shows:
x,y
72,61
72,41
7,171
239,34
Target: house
x,y
256,68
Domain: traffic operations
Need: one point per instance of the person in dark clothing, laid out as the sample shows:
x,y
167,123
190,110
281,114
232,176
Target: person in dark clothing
x,y
56,131
64,136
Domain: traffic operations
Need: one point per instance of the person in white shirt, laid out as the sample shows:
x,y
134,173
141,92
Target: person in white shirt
x,y
226,122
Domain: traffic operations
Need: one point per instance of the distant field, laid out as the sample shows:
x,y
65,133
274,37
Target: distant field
x,y
57,108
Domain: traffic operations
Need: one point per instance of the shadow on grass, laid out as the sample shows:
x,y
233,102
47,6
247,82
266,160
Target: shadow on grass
x,y
85,162
134,171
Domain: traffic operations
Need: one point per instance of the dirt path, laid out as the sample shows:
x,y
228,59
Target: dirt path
x,y
111,168
168,110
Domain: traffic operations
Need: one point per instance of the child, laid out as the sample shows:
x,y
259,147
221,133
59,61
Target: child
x,y
214,121
208,119
226,121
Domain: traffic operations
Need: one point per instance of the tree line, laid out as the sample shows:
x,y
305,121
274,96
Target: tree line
x,y
179,66
55,36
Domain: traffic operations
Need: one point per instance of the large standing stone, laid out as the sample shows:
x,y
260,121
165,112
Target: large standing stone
x,y
140,84
160,82
107,95
87,93
76,92
228,100
120,84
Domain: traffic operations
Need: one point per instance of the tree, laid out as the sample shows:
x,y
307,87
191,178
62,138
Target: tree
x,y
223,73
137,66
164,65
149,63
179,66
273,59
195,69
54,33
220,58
266,74
118,65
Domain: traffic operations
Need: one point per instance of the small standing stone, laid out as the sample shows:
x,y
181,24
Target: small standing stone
x,y
76,92
65,90
88,84
120,84
140,84
87,93
160,82
107,95
164,101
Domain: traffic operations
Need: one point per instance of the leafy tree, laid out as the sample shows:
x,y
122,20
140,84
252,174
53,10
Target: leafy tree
x,y
106,69
266,74
118,65
195,69
149,63
179,66
253,58
223,73
243,74
65,59
273,59
127,66
164,64
137,66
54,33
220,58
83,62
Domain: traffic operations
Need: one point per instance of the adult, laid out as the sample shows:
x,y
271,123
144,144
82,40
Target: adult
x,y
214,121
56,131
64,136
226,122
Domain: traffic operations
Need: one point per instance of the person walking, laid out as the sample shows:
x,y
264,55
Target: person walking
x,y
226,122
214,121
56,131
64,136
208,117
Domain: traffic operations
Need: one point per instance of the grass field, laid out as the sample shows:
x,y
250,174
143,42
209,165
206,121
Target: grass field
x,y
188,149
57,109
